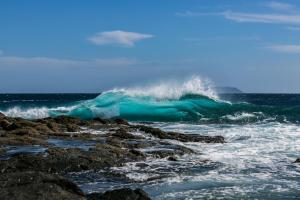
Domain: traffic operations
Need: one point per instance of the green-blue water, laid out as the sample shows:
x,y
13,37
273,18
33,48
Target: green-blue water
x,y
234,108
188,108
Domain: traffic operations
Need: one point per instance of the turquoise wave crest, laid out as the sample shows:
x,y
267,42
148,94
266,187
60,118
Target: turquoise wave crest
x,y
188,107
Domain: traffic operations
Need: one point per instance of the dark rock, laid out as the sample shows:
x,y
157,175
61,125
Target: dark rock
x,y
121,121
137,153
138,144
67,120
100,120
114,148
2,133
72,128
142,165
120,194
196,138
179,136
55,127
19,122
297,160
5,124
37,185
70,160
12,126
43,186
2,149
114,141
172,158
181,150
2,115
43,129
162,153
120,155
154,131
123,134
170,151
10,139
24,131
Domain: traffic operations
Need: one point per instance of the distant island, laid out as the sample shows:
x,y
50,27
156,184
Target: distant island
x,y
227,90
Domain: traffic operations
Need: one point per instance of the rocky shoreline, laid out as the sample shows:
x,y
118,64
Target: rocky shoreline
x,y
37,155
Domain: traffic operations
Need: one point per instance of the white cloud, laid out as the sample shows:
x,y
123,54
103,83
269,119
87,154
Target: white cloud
x,y
285,48
280,6
275,18
118,37
293,28
262,18
193,14
44,61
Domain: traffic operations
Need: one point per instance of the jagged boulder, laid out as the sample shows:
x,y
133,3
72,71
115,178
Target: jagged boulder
x,y
37,185
120,194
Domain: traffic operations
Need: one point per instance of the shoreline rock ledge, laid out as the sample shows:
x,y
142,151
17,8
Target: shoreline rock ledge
x,y
39,185
36,156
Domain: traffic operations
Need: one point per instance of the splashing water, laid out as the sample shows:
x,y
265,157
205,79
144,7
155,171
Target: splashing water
x,y
171,89
193,101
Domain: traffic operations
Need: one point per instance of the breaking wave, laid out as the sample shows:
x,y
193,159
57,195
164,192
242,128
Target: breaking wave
x,y
191,101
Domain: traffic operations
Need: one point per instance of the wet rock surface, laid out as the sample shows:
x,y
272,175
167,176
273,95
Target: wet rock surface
x,y
58,160
37,185
120,194
98,145
180,137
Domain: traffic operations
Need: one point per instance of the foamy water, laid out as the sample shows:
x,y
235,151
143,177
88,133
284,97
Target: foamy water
x,y
172,89
257,162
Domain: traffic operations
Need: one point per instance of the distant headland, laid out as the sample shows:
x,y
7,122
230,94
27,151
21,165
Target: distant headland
x,y
227,90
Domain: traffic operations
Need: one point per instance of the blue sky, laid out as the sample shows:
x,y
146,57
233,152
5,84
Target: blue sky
x,y
91,46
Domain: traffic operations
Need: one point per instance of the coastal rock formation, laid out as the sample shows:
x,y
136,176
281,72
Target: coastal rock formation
x,y
33,153
180,137
37,185
58,160
120,194
43,186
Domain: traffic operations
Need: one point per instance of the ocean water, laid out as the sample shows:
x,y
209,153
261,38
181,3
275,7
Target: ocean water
x,y
262,133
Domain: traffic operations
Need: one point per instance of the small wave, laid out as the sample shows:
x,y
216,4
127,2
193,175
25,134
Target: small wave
x,y
240,116
30,113
36,112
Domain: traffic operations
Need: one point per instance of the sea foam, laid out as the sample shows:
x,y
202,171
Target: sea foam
x,y
172,89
